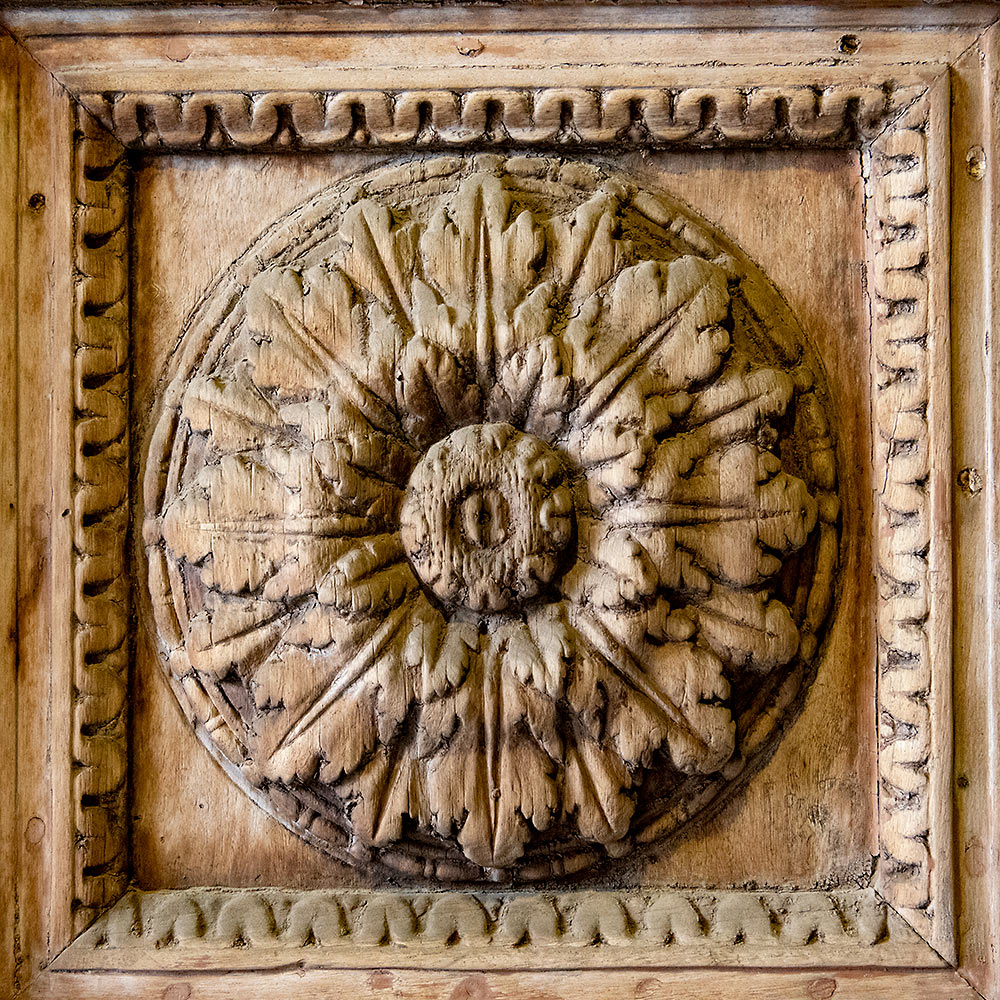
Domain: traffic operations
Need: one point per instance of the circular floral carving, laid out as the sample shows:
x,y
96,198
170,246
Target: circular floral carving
x,y
490,499
485,517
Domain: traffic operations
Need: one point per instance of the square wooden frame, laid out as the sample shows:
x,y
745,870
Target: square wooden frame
x,y
83,87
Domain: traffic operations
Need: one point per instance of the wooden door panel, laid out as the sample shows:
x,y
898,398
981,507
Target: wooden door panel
x,y
516,508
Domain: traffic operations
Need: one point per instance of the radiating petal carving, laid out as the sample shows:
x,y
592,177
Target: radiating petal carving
x,y
487,515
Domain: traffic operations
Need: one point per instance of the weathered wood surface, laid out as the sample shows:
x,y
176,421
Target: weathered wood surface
x,y
974,311
228,929
9,825
37,426
560,440
645,984
250,88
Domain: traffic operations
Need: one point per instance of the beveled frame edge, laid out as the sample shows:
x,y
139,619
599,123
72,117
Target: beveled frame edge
x,y
891,445
975,312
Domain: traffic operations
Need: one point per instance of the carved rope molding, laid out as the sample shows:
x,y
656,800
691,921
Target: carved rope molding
x,y
896,176
788,115
904,338
222,928
101,518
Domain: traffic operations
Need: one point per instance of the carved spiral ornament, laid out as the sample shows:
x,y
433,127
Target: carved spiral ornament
x,y
490,517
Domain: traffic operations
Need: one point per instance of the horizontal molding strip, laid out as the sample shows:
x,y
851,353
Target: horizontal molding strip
x,y
262,928
795,115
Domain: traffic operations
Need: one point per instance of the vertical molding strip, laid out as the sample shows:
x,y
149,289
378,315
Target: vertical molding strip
x,y
908,266
101,518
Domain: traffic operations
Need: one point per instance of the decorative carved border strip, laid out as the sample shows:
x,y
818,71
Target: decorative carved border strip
x,y
789,115
903,335
240,928
892,125
100,519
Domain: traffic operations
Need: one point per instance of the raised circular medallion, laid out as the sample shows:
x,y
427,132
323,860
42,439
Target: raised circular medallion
x,y
490,517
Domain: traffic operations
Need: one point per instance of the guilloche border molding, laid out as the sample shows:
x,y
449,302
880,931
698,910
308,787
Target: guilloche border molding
x,y
902,135
644,117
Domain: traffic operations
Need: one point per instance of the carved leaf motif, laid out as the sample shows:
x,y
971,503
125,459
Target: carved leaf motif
x,y
664,317
232,412
371,577
532,389
539,649
236,523
615,448
489,780
291,675
483,261
387,789
378,255
613,569
441,651
365,470
434,394
734,516
596,792
673,693
747,629
364,698
588,247
299,322
303,326
233,633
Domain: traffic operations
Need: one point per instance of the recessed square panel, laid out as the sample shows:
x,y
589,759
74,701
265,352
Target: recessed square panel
x,y
818,785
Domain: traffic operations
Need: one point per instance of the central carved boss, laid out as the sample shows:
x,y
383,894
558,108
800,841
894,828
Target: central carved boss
x,y
486,515
490,517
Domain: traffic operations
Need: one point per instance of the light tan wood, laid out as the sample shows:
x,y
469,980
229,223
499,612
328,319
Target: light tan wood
x,y
8,506
495,48
974,273
645,984
912,421
514,433
823,797
907,94
44,582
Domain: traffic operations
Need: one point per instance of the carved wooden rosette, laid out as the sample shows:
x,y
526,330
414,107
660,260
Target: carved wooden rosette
x,y
490,517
